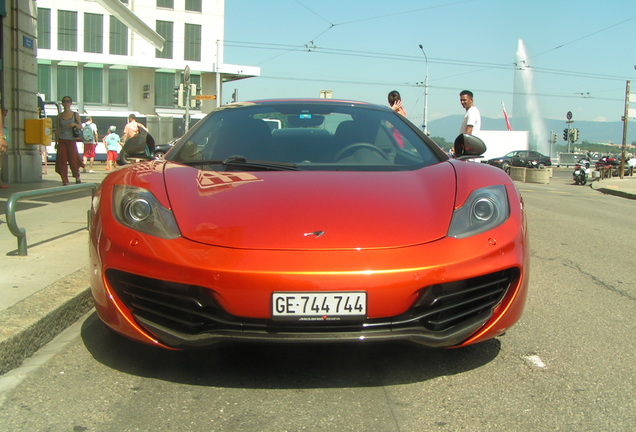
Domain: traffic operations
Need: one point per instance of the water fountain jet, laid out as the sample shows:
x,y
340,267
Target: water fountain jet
x,y
526,114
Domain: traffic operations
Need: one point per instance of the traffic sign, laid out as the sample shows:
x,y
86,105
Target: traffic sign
x,y
569,115
203,97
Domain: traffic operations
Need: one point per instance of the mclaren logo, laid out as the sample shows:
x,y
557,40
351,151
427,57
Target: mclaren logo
x,y
314,234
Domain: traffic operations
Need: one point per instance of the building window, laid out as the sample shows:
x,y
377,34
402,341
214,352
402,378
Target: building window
x,y
44,81
164,28
67,81
118,37
93,85
93,33
118,87
193,5
44,28
165,4
192,47
66,31
164,89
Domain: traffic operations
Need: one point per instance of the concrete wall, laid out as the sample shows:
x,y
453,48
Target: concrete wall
x,y
22,163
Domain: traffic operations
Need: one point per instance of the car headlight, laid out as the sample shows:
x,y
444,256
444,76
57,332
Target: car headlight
x,y
138,209
484,209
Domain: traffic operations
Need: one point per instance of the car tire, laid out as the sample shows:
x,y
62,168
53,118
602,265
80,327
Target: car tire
x,y
506,167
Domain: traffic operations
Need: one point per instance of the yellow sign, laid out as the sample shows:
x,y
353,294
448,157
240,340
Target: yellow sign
x,y
202,97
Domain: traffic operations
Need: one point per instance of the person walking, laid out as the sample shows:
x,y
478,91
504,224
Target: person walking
x,y
90,138
132,128
471,124
66,145
112,142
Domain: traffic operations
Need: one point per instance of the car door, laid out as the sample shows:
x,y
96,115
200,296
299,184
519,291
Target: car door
x,y
518,159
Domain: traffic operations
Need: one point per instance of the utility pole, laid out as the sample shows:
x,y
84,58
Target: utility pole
x,y
625,122
567,136
186,79
425,125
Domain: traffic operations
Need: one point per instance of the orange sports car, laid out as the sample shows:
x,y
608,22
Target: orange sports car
x,y
309,221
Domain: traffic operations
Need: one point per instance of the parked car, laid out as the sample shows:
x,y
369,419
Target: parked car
x,y
162,149
344,224
521,158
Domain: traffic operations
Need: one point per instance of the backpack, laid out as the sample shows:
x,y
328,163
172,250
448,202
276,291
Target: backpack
x,y
87,133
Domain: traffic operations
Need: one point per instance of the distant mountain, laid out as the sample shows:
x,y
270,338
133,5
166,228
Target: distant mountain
x,y
594,132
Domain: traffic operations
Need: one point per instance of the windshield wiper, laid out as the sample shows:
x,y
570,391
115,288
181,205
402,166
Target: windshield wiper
x,y
241,162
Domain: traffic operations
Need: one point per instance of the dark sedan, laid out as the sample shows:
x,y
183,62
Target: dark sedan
x,y
521,158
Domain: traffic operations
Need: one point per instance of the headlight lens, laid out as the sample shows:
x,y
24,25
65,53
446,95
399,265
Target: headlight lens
x,y
484,209
138,209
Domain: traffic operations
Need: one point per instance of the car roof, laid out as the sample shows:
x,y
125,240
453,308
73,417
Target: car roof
x,y
311,101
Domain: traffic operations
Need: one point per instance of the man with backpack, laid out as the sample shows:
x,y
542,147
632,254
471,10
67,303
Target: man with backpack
x,y
90,138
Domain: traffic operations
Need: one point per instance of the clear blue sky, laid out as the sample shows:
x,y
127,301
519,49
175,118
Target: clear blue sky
x,y
581,52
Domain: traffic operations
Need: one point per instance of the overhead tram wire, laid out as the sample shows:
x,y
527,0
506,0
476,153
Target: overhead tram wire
x,y
387,56
584,37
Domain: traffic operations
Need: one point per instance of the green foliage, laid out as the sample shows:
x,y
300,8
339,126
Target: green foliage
x,y
445,145
587,146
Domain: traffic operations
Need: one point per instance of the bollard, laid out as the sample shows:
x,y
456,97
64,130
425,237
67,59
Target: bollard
x,y
518,173
534,175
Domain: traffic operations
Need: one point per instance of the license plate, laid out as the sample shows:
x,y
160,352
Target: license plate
x,y
577,172
323,306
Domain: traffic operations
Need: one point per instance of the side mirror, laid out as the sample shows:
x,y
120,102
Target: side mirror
x,y
141,147
468,146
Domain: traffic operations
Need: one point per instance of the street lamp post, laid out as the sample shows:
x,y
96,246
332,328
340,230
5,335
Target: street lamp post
x,y
425,125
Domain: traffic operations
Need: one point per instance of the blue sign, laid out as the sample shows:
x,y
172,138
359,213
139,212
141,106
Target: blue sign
x,y
27,42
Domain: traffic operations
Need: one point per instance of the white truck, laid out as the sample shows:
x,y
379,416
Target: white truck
x,y
498,143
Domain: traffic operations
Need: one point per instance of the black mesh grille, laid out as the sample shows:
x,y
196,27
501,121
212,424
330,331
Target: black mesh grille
x,y
192,309
186,308
445,305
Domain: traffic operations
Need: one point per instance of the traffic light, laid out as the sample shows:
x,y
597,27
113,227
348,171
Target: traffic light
x,y
179,96
194,102
575,135
565,134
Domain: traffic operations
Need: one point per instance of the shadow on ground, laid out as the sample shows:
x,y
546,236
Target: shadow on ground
x,y
284,366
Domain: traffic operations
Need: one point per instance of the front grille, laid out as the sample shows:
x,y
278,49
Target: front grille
x,y
186,308
445,305
192,310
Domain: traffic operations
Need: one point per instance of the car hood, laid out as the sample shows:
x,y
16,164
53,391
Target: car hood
x,y
302,210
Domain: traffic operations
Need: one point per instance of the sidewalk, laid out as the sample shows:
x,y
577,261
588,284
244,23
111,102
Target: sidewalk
x,y
625,187
43,293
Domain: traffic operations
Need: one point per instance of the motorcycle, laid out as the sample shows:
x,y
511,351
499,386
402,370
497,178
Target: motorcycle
x,y
580,173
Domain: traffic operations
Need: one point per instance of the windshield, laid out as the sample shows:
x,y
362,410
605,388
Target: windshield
x,y
304,136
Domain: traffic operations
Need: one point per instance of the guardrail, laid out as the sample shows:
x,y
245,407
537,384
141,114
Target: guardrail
x,y
20,233
614,171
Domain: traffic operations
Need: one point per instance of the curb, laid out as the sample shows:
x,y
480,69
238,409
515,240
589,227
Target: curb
x,y
616,193
36,320
610,191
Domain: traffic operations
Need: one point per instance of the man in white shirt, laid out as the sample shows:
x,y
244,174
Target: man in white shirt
x,y
471,124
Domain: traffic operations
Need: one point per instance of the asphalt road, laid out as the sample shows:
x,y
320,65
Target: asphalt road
x,y
567,365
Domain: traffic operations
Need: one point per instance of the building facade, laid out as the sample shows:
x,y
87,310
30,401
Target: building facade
x,y
116,57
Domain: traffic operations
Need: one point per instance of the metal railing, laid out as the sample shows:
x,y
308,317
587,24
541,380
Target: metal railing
x,y
20,233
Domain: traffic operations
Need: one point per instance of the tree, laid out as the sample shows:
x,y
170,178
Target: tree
x,y
445,145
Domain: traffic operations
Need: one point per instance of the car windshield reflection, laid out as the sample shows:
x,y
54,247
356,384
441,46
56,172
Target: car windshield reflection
x,y
305,136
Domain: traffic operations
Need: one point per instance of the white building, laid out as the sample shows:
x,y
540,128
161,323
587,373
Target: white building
x,y
104,54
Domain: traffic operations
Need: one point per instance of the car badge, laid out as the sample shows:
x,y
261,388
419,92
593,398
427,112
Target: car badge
x,y
316,234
